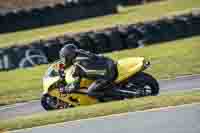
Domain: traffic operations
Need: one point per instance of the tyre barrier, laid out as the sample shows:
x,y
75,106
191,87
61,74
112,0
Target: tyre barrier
x,y
58,14
135,2
101,41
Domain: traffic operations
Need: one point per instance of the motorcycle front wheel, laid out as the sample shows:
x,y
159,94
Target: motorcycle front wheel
x,y
51,103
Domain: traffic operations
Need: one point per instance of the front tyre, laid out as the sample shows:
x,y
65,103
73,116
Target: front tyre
x,y
51,103
48,102
144,83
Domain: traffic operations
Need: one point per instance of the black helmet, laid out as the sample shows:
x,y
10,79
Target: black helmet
x,y
68,53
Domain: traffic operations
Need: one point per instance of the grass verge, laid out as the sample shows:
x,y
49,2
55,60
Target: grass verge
x,y
168,60
52,117
125,16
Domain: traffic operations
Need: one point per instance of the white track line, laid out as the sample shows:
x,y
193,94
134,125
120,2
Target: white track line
x,y
17,105
181,77
176,91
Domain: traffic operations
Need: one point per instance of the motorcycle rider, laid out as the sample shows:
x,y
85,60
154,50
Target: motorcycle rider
x,y
87,65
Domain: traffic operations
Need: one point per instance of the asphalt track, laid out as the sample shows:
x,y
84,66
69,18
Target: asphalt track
x,y
185,83
180,119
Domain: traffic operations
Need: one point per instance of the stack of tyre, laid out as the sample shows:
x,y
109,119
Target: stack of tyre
x,y
58,14
110,39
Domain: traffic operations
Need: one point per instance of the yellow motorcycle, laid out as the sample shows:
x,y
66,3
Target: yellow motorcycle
x,y
131,82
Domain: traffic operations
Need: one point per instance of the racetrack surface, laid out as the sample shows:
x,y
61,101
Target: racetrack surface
x,y
167,86
180,119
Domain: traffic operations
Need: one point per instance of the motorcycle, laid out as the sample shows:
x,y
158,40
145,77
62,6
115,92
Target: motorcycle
x,y
131,82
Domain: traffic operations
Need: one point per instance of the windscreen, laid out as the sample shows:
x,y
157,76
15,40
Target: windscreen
x,y
52,71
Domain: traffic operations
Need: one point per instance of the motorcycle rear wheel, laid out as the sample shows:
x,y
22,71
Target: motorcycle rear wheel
x,y
145,83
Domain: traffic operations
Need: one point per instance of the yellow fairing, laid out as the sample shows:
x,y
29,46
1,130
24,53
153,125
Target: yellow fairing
x,y
128,67
81,99
47,82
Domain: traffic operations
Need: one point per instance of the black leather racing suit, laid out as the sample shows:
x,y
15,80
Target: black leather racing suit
x,y
96,67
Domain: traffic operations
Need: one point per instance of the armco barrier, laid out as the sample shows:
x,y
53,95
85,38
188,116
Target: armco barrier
x,y
111,39
58,14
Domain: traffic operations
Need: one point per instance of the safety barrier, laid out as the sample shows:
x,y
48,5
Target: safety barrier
x,y
70,10
135,2
110,39
58,14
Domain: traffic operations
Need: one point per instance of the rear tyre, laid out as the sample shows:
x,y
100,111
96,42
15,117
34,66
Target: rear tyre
x,y
146,84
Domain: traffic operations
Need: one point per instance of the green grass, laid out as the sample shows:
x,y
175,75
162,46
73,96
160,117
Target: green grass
x,y
125,16
52,117
168,60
